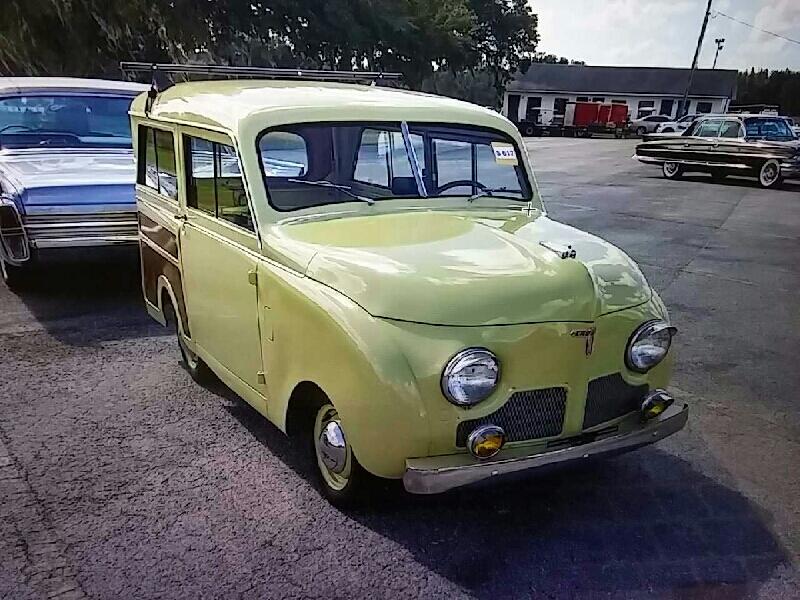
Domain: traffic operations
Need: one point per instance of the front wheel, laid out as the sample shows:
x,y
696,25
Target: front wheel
x,y
14,277
671,170
769,176
341,478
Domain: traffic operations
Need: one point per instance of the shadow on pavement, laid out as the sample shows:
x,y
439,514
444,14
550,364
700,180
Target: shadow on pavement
x,y
644,523
88,298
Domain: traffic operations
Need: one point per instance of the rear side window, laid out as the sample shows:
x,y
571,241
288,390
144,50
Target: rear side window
x,y
157,161
708,128
730,129
214,182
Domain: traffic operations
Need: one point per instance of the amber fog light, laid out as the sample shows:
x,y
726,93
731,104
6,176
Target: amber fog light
x,y
655,404
486,441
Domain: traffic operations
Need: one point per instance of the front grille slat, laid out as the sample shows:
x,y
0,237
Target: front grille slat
x,y
611,397
527,415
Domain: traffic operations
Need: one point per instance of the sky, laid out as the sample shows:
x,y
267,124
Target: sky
x,y
663,33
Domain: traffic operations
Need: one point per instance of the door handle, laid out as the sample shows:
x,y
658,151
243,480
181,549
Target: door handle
x,y
179,217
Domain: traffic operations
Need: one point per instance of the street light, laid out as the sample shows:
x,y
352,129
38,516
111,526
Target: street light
x,y
720,42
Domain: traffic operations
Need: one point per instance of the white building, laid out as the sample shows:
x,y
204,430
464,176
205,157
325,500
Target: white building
x,y
542,92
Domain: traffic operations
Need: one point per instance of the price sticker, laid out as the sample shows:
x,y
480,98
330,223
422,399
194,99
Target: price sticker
x,y
504,154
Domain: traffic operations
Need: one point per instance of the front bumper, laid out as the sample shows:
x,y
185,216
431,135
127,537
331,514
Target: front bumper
x,y
78,231
424,476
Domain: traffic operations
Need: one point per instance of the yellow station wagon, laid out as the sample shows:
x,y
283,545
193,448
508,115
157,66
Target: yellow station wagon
x,y
373,270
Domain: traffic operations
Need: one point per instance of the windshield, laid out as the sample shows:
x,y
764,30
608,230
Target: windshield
x,y
73,120
773,128
327,163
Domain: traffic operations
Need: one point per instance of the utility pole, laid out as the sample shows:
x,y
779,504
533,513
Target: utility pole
x,y
719,42
685,104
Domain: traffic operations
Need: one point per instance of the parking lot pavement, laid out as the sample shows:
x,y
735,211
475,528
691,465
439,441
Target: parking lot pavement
x,y
121,478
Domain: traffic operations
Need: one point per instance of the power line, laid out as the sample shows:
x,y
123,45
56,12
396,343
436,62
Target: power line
x,y
751,26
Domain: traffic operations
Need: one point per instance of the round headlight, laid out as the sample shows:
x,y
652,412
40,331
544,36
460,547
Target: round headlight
x,y
470,376
649,345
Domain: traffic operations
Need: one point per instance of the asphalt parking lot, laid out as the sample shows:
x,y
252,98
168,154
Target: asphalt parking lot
x,y
121,478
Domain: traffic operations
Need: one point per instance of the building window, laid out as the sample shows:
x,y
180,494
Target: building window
x,y
560,106
532,108
704,107
598,99
646,107
618,101
582,99
666,107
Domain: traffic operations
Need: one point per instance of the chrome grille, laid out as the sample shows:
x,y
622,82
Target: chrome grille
x,y
610,397
527,415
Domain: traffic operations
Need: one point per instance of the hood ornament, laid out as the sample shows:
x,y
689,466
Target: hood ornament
x,y
563,252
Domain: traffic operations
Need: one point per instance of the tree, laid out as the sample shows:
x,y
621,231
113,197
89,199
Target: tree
x,y
770,87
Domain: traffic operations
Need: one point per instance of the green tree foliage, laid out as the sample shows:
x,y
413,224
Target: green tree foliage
x,y
770,87
416,37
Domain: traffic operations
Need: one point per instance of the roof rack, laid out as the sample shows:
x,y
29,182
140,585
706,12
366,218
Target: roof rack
x,y
258,72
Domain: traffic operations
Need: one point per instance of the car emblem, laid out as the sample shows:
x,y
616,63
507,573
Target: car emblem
x,y
588,335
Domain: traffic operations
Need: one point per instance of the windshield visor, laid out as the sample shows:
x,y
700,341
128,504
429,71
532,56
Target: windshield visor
x,y
317,164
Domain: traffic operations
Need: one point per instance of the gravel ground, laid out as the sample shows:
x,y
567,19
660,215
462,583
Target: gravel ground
x,y
121,478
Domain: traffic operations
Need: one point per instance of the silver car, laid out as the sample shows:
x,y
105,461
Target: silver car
x,y
648,124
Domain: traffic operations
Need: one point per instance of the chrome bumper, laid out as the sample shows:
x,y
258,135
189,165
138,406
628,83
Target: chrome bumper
x,y
76,231
421,477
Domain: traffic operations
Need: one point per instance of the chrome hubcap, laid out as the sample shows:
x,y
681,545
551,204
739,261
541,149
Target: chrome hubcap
x,y
332,447
769,173
671,168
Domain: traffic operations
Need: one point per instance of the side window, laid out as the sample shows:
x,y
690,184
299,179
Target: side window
x,y
708,128
730,129
284,154
215,184
157,161
200,192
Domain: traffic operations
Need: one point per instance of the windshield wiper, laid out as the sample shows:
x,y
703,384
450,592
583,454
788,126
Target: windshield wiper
x,y
336,186
491,193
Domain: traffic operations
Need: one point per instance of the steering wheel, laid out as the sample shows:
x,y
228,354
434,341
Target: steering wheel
x,y
461,183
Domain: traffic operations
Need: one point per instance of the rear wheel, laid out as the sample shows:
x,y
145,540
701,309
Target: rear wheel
x,y
769,176
718,175
198,370
672,170
341,478
14,277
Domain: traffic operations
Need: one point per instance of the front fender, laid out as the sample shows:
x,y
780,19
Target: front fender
x,y
312,333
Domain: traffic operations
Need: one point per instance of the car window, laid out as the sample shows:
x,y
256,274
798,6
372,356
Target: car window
x,y
708,128
730,129
74,120
157,161
214,182
347,162
770,128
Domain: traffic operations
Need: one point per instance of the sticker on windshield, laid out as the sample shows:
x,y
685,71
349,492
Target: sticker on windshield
x,y
504,154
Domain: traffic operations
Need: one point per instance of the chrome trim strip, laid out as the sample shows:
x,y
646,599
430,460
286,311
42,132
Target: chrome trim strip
x,y
422,479
76,224
106,240
651,159
158,249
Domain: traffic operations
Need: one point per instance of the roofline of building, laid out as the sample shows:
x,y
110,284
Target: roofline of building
x,y
516,88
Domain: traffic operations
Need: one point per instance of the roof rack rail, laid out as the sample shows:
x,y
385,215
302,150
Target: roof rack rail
x,y
258,72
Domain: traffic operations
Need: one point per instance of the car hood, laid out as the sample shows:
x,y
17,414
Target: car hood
x,y
53,178
464,268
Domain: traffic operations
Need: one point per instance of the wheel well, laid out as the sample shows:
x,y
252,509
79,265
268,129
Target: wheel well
x,y
306,397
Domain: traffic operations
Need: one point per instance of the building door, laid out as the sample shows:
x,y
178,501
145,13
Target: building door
x,y
533,107
666,107
513,107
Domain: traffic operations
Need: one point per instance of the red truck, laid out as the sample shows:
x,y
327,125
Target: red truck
x,y
582,119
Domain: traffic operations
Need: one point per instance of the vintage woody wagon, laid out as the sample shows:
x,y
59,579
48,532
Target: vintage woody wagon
x,y
373,270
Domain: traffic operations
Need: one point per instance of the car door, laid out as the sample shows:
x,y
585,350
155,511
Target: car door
x,y
729,142
219,258
699,145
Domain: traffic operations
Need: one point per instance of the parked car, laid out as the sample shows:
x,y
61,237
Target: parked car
x,y
373,270
754,145
648,124
676,126
66,168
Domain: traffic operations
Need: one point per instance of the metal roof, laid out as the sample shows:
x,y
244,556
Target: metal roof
x,y
661,81
17,85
